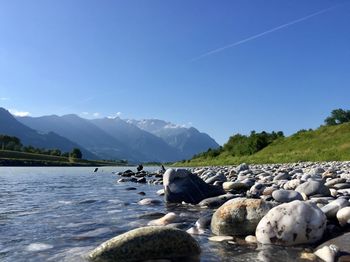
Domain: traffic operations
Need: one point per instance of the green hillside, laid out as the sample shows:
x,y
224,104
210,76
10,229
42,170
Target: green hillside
x,y
327,143
15,158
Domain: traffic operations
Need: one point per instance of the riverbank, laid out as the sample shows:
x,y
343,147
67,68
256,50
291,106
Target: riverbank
x,y
303,206
15,158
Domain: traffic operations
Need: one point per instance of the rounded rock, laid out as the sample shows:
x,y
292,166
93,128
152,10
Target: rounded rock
x,y
292,223
147,243
285,196
239,216
343,216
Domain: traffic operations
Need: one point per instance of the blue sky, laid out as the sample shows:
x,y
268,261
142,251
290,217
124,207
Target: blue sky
x,y
278,65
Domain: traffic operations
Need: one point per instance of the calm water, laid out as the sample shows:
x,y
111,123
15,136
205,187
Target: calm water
x,y
59,214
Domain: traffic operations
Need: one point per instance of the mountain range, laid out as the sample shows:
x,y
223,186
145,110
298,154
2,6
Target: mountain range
x,y
109,138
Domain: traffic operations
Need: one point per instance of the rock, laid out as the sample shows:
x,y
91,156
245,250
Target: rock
x,y
182,186
292,223
250,239
242,167
149,201
333,207
220,238
165,220
342,244
313,187
285,196
213,202
343,216
160,192
147,243
239,216
228,186
256,190
291,184
141,180
218,177
281,176
327,253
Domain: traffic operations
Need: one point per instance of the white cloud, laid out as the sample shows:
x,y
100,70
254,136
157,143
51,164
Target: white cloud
x,y
15,112
96,114
85,113
4,98
115,115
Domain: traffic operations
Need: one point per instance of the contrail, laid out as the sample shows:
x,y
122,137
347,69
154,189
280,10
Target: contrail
x,y
263,33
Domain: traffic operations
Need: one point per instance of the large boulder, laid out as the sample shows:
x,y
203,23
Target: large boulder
x,y
292,223
239,216
180,185
147,243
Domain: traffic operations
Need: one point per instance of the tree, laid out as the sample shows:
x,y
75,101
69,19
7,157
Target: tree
x,y
338,116
76,153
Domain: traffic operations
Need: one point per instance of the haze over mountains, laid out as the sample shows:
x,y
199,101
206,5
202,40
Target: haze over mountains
x,y
109,138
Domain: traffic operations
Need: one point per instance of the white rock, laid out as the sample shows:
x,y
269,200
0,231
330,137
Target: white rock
x,y
327,253
333,207
165,220
221,238
343,216
291,223
250,239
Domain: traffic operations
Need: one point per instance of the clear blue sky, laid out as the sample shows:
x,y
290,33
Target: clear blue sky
x,y
223,66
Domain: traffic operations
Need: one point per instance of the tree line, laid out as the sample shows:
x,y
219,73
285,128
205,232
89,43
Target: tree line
x,y
243,145
13,143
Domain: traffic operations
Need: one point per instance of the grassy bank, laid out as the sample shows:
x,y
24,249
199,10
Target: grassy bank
x,y
15,158
327,143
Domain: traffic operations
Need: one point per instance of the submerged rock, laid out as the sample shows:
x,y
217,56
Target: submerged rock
x,y
180,185
292,223
147,243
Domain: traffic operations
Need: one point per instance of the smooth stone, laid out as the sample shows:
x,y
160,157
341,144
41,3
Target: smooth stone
x,y
341,186
343,216
160,192
220,238
333,207
147,243
239,216
312,187
250,239
204,221
228,186
327,253
242,167
334,181
281,176
292,184
285,196
292,223
213,202
165,220
256,190
149,201
218,177
180,185
341,242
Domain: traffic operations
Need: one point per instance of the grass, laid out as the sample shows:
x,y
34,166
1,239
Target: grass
x,y
327,143
15,158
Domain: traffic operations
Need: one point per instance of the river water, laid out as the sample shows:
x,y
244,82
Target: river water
x,y
60,214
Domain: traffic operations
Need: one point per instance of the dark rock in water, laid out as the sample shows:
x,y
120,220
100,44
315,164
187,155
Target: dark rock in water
x,y
127,173
180,185
141,180
141,193
148,243
130,188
